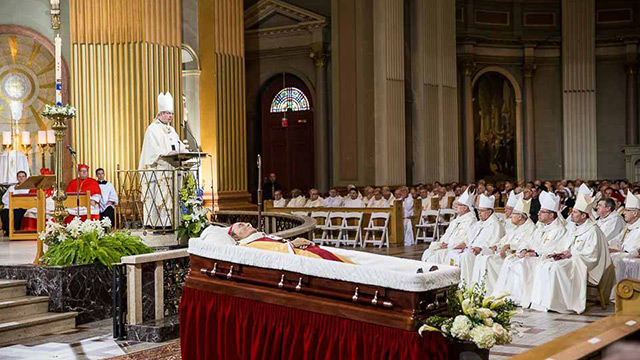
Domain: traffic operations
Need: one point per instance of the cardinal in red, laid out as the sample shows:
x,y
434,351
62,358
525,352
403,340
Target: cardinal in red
x,y
86,184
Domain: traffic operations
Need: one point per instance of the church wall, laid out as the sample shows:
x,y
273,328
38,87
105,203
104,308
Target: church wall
x,y
547,90
611,117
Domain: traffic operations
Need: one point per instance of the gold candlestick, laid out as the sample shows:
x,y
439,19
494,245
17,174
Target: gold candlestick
x,y
59,194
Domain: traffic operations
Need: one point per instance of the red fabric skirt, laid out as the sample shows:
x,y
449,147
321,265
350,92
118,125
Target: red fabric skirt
x,y
216,326
31,224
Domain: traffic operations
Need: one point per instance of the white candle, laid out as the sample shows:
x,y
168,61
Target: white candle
x,y
6,138
42,137
26,138
58,44
51,137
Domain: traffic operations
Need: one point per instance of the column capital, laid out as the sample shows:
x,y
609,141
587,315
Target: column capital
x,y
528,69
467,66
319,57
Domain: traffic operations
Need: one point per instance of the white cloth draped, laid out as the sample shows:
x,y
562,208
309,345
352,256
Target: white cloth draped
x,y
456,234
11,162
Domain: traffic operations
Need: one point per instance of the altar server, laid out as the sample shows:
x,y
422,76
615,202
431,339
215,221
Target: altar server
x,y
457,234
609,221
486,234
84,184
109,197
560,281
160,139
516,274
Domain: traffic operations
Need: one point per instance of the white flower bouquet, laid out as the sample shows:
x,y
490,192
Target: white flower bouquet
x,y
54,110
483,320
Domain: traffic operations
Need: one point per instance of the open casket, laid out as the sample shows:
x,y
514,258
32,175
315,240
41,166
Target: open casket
x,y
377,289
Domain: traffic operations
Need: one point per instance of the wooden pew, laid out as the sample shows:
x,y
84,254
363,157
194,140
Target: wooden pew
x,y
589,341
396,228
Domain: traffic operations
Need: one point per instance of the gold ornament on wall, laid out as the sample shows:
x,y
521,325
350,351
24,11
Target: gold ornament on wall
x,y
55,14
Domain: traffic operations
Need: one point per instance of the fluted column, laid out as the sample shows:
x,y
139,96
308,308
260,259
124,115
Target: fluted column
x,y
579,89
529,122
632,104
388,68
467,67
222,100
320,120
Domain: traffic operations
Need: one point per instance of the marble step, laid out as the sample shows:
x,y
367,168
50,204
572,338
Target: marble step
x,y
35,325
10,289
22,307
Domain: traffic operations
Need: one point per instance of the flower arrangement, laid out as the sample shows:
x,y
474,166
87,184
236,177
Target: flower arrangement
x,y
55,110
87,242
484,320
194,215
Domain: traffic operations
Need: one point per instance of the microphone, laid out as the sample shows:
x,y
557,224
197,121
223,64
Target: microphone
x,y
73,152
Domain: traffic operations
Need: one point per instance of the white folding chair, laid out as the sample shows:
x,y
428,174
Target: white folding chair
x,y
334,224
428,220
375,226
352,223
444,219
319,233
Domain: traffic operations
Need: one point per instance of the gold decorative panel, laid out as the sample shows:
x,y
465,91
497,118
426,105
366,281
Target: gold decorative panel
x,y
26,76
124,52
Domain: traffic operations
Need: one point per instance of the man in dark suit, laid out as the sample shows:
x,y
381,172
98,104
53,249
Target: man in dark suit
x,y
270,187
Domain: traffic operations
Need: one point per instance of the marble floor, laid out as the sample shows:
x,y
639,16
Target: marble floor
x,y
94,341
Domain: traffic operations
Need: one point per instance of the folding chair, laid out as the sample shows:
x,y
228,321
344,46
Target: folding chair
x,y
374,226
334,223
428,220
445,217
352,222
319,233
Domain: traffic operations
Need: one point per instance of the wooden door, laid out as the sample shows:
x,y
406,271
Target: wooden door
x,y
287,149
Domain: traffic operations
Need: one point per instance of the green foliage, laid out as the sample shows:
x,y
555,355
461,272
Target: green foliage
x,y
89,248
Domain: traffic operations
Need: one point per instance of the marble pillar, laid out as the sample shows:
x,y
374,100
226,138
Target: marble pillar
x,y
631,68
434,88
467,67
320,119
529,122
579,89
222,102
388,78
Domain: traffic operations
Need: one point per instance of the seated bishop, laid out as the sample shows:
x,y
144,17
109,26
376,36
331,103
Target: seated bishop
x,y
485,236
488,266
626,254
516,274
512,200
560,281
84,184
244,234
609,221
457,234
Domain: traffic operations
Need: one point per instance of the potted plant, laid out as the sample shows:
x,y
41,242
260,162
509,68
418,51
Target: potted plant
x,y
475,322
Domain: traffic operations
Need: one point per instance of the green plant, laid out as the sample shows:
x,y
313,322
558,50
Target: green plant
x,y
194,216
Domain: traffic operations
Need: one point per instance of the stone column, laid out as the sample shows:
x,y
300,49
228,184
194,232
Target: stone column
x,y
388,78
320,120
579,89
529,122
467,67
222,101
632,99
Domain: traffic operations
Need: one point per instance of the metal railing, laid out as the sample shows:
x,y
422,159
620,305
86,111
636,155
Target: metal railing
x,y
149,286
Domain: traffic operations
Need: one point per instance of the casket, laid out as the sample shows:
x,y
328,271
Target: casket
x,y
377,289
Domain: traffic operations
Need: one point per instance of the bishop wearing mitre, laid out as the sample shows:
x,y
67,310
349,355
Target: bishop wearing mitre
x,y
83,184
160,139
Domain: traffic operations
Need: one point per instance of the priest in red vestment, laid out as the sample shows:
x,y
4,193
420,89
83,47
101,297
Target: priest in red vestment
x,y
85,184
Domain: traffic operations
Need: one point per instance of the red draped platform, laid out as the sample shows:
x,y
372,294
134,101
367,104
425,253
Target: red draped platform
x,y
217,326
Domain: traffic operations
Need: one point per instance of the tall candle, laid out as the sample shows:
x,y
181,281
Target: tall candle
x,y
6,138
42,137
26,138
51,137
58,44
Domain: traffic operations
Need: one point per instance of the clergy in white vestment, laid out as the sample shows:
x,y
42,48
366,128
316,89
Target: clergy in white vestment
x,y
485,236
516,274
314,199
560,281
388,196
351,186
278,200
609,221
456,236
369,193
333,200
628,242
109,198
512,200
407,211
425,199
378,200
488,266
160,139
353,200
297,199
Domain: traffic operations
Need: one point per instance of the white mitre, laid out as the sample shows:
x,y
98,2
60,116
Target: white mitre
x,y
549,201
486,202
467,199
632,202
584,189
165,102
522,206
584,203
513,199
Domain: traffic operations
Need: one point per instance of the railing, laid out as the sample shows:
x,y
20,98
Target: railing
x,y
152,283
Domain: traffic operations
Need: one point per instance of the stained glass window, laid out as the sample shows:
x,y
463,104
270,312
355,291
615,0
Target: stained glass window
x,y
289,99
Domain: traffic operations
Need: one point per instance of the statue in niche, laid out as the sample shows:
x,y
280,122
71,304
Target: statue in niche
x,y
494,124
